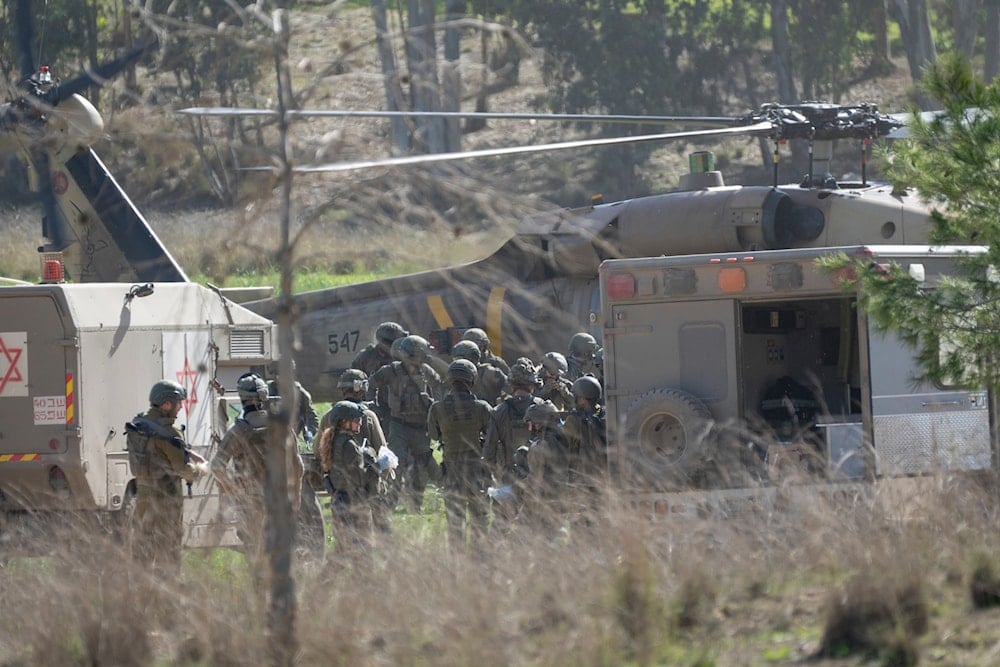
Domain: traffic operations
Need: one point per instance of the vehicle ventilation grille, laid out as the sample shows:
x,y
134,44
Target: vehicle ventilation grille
x,y
246,343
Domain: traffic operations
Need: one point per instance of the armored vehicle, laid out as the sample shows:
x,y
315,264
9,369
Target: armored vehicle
x,y
76,363
745,358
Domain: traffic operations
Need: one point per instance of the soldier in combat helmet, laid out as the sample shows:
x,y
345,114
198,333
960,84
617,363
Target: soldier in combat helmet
x,y
245,444
459,422
406,386
351,475
307,424
479,337
377,354
582,357
490,380
554,386
353,385
160,460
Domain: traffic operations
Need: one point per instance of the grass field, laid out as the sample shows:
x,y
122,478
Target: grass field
x,y
900,575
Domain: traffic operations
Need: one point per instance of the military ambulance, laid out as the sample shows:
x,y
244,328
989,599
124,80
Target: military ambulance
x,y
76,363
766,355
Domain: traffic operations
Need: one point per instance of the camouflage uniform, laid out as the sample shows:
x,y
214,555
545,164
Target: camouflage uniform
x,y
546,483
372,433
307,425
245,445
159,510
555,387
408,398
374,356
506,432
459,422
353,478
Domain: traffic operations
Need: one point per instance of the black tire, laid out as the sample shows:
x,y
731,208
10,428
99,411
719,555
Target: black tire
x,y
121,521
667,433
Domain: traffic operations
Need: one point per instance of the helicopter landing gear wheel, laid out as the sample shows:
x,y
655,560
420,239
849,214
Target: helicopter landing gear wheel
x,y
667,430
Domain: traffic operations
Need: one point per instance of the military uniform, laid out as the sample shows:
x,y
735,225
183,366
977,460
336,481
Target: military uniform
x,y
353,476
371,431
545,487
586,438
490,383
506,432
459,422
558,390
159,510
245,444
307,425
408,398
373,357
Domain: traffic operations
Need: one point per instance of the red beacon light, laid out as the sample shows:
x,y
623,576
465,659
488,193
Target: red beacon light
x,y
52,272
44,75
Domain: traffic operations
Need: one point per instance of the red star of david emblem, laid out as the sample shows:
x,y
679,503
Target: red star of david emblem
x,y
13,373
187,378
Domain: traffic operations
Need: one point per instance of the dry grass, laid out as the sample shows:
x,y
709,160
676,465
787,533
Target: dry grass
x,y
835,581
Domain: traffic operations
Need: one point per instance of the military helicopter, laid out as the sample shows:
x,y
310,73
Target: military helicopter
x,y
541,285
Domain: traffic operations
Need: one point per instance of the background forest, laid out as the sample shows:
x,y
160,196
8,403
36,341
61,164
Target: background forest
x,y
655,57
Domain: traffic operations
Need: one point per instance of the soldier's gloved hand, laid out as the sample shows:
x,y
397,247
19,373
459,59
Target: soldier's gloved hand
x,y
202,468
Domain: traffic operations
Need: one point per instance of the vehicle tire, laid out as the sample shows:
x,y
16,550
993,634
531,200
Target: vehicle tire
x,y
311,528
121,521
666,431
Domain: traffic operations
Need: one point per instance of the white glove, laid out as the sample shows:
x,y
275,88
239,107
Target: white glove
x,y
202,468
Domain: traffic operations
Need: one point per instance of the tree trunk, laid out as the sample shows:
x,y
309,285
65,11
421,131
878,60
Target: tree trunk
x,y
914,24
782,52
279,526
394,98
882,56
991,39
964,21
451,78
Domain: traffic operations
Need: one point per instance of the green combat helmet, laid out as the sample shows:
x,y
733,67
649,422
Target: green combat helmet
x,y
542,414
413,350
166,390
345,410
583,346
477,336
466,349
387,332
463,370
554,363
354,380
587,387
522,375
252,389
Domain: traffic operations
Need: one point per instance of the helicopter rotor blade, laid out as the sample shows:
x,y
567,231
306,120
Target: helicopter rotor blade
x,y
758,129
24,24
100,75
711,121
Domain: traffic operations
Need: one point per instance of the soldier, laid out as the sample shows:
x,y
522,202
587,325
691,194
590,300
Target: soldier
x,y
479,337
508,431
350,473
459,423
583,350
554,387
490,380
406,387
353,385
245,445
586,431
307,424
543,467
160,459
377,354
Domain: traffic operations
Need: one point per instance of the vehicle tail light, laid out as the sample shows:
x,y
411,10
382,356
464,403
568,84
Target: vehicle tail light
x,y
621,286
732,279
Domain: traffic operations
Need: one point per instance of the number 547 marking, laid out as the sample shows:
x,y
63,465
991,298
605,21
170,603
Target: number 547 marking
x,y
347,342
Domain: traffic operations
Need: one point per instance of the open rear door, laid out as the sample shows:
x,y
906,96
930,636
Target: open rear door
x,y
919,427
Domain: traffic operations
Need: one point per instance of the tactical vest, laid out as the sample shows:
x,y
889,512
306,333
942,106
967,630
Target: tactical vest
x,y
143,459
249,460
409,399
517,427
462,426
